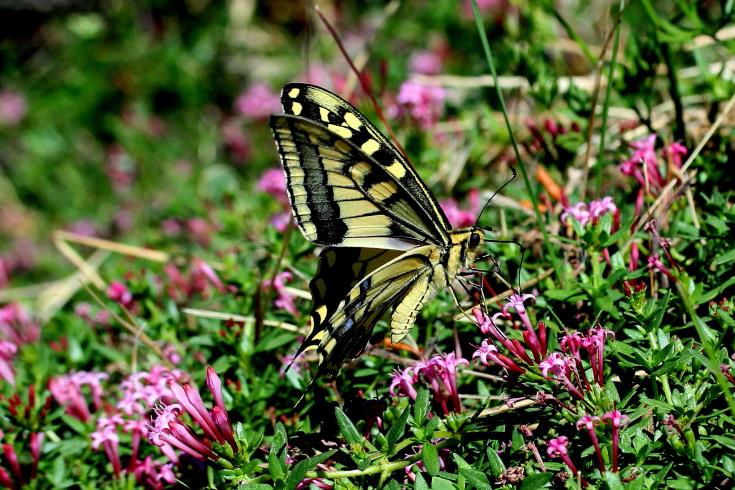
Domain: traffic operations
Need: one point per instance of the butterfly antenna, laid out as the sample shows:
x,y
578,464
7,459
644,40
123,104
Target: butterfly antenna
x,y
363,82
487,203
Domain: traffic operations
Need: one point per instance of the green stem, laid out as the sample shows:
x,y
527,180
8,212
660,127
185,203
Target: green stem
x,y
664,377
708,349
606,103
521,166
373,470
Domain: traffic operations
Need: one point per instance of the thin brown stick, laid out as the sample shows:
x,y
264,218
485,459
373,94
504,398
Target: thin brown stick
x,y
364,86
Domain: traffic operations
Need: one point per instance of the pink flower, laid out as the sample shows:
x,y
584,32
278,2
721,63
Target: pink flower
x,y
168,429
155,474
119,293
616,420
589,422
67,390
425,63
201,274
643,164
440,373
284,300
236,140
106,437
280,221
585,213
674,153
460,218
17,326
488,353
13,107
200,230
562,369
422,102
558,449
403,380
8,351
654,262
258,102
595,345
273,182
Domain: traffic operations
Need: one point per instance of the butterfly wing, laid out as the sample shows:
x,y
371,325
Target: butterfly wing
x,y
345,332
348,186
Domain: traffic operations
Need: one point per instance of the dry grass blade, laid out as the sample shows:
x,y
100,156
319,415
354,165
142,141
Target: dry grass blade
x,y
217,315
121,248
88,272
55,296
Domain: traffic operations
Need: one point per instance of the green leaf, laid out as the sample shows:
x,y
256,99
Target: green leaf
x,y
438,483
421,407
420,482
613,481
298,472
496,464
398,428
347,428
430,457
537,480
476,478
277,455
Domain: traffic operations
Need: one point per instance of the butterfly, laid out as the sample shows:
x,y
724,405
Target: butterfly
x,y
387,244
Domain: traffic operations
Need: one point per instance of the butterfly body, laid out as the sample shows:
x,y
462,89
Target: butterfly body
x,y
387,243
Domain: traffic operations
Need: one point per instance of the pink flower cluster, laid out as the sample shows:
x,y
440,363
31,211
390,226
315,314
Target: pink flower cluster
x,y
67,390
564,367
425,63
258,101
591,213
557,447
458,217
424,103
20,476
567,368
169,430
439,373
534,339
16,329
139,393
616,420
644,164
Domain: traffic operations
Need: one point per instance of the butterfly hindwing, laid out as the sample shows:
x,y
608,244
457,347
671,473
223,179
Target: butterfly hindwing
x,y
348,329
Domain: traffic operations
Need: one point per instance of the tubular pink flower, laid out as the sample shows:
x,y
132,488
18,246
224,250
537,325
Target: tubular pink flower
x,y
674,152
202,269
422,102
488,353
616,419
35,443
654,262
5,479
403,380
559,368
7,354
192,402
589,422
119,293
17,326
223,424
12,459
284,300
558,449
595,345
